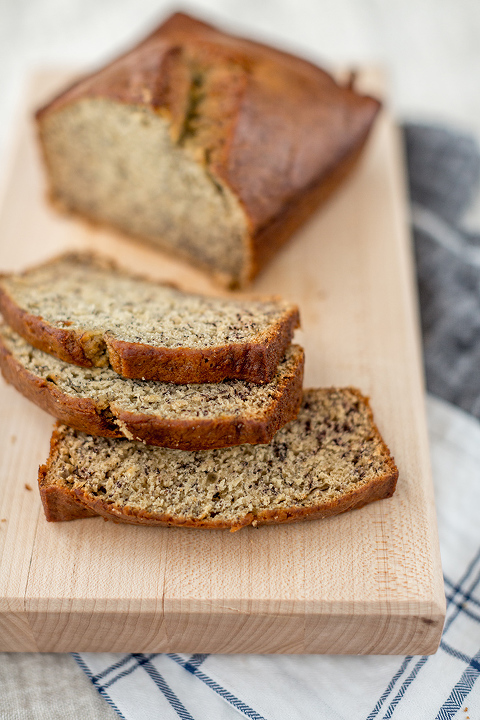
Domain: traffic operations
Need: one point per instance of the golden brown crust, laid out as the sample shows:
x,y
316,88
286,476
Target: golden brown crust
x,y
199,433
208,434
255,361
61,342
58,504
269,239
273,127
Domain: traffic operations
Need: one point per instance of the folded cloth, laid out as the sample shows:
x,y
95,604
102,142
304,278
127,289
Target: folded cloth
x,y
444,169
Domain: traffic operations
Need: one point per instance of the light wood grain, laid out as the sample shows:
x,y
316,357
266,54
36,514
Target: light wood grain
x,y
365,582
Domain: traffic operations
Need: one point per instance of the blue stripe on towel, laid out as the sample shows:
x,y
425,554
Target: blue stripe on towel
x,y
455,589
461,690
102,692
162,685
223,692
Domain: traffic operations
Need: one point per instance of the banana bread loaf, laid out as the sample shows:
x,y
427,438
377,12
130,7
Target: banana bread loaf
x,y
84,310
189,417
204,144
329,460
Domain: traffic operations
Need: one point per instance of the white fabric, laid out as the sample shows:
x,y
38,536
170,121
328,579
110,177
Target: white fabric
x,y
292,687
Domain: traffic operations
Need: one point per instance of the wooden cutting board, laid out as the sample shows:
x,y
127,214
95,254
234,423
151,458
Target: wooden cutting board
x,y
368,581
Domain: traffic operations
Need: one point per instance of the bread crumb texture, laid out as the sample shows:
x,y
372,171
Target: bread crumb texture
x,y
117,163
331,450
85,294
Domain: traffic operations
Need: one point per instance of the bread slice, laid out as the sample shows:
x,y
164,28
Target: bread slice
x,y
84,310
329,460
189,417
208,145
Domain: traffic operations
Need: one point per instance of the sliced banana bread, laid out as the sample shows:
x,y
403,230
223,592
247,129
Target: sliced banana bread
x,y
329,460
189,417
84,310
205,144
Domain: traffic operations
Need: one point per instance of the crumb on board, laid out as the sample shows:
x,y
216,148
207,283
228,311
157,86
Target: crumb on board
x,y
27,486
